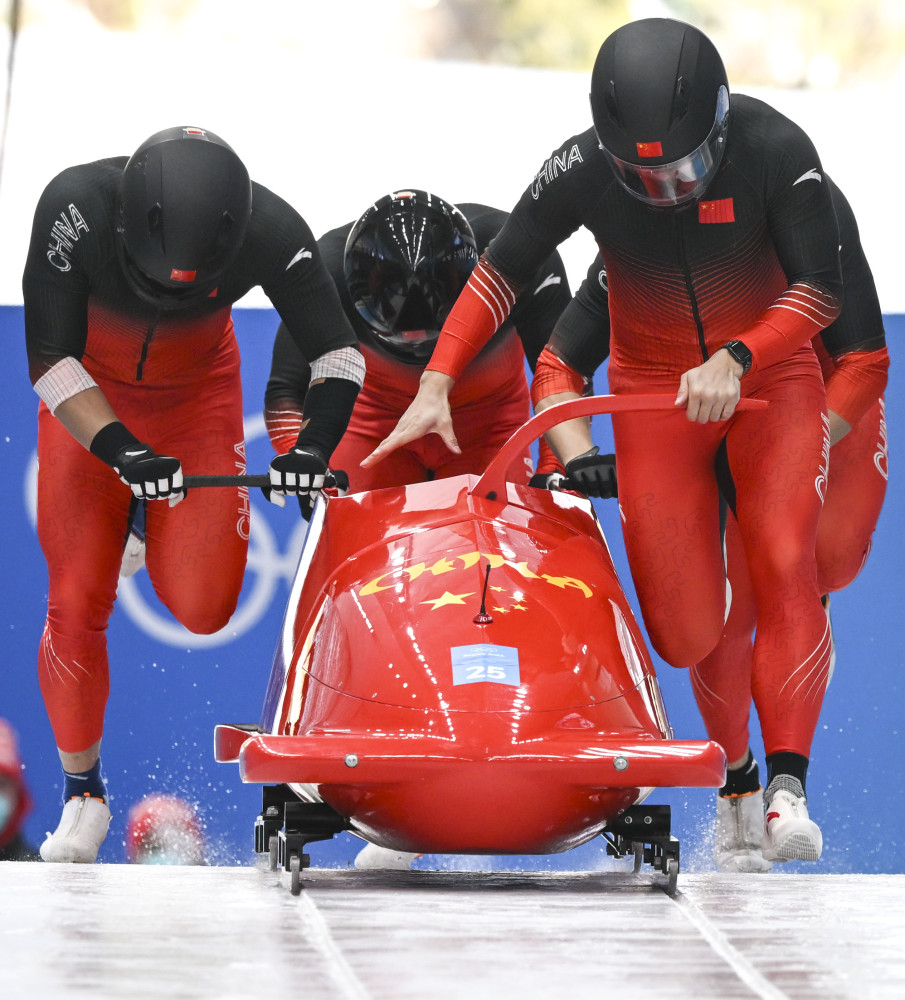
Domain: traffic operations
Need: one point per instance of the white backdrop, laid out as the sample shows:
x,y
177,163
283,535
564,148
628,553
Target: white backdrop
x,y
332,132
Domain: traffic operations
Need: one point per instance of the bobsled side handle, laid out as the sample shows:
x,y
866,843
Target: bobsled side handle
x,y
492,483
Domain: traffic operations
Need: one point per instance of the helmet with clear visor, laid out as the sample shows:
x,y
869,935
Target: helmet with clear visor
x,y
660,103
405,262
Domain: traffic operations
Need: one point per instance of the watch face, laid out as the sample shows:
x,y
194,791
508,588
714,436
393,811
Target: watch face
x,y
741,354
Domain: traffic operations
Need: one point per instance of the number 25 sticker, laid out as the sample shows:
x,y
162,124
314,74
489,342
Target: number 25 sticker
x,y
485,663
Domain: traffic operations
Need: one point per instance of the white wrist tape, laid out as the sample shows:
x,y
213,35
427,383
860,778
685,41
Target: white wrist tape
x,y
347,363
64,380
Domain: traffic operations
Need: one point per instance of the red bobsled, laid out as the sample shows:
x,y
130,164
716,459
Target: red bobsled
x,y
459,672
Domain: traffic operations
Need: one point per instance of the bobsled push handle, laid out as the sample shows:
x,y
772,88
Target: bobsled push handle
x,y
492,483
193,482
334,478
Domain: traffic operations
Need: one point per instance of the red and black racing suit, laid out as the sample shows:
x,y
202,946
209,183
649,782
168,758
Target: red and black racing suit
x,y
172,377
489,402
855,361
755,259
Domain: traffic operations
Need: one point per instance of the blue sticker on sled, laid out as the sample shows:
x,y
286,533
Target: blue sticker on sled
x,y
485,663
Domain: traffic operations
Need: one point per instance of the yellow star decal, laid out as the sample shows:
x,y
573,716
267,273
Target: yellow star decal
x,y
447,598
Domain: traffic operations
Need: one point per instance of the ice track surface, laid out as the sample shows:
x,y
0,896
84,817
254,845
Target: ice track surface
x,y
118,931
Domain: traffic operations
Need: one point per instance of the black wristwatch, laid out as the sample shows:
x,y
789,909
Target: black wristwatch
x,y
741,353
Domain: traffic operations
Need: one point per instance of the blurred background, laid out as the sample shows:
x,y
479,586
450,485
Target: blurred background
x,y
332,104
823,43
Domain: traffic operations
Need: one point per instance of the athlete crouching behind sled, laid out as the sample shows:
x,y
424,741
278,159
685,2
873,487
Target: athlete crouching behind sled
x,y
398,271
720,246
133,267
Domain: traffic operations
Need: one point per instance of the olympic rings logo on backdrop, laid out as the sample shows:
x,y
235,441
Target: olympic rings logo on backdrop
x,y
267,565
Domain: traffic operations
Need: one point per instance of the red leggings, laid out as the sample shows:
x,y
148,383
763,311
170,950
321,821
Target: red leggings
x,y
854,499
668,498
196,551
723,681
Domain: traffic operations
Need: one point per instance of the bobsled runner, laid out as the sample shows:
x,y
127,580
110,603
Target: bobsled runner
x,y
459,672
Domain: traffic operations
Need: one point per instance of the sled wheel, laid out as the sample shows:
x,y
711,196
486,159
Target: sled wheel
x,y
638,851
273,847
295,875
671,868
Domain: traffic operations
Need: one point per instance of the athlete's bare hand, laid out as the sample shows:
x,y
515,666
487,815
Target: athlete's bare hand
x,y
428,413
711,391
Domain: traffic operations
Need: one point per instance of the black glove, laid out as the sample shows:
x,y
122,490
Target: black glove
x,y
338,480
335,479
151,476
592,474
301,472
546,480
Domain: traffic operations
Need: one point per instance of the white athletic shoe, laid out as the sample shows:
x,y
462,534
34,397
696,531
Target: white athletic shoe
x,y
374,858
739,828
133,555
81,831
789,833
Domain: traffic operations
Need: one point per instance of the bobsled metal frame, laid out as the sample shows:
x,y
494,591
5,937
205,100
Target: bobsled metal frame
x,y
286,825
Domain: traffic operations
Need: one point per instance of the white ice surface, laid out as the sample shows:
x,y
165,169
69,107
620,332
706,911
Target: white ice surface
x,y
115,931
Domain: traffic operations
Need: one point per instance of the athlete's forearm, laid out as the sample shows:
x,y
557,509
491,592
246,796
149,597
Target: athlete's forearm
x,y
478,313
555,382
571,437
84,414
796,317
328,409
283,420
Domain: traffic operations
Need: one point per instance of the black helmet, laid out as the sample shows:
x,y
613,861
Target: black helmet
x,y
660,103
185,201
406,260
